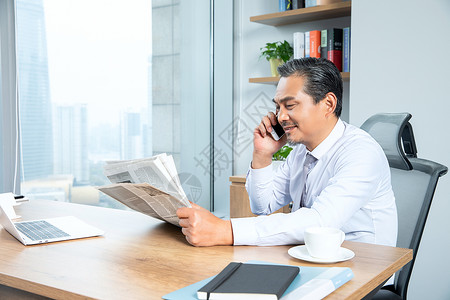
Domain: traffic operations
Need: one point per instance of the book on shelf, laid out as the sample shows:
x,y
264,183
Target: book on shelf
x,y
311,3
323,44
334,37
346,50
150,186
284,5
296,4
307,44
299,44
314,43
310,283
249,281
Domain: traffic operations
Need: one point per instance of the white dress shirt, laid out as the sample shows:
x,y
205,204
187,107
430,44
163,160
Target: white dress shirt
x,y
349,187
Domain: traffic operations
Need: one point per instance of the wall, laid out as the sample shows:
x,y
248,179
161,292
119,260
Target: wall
x,y
400,65
252,100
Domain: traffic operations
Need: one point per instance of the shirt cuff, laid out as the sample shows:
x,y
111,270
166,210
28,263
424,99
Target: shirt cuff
x,y
244,231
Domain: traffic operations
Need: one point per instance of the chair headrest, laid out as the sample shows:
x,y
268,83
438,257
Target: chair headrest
x,y
394,134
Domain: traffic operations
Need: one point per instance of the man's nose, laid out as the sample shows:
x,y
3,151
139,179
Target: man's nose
x,y
282,115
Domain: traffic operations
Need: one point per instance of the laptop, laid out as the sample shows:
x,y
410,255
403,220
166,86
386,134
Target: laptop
x,y
47,230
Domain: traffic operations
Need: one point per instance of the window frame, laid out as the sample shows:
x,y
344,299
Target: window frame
x,y
9,135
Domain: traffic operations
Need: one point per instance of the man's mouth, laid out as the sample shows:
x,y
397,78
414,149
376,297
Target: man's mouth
x,y
289,127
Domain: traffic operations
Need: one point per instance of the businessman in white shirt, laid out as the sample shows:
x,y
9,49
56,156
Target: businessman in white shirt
x,y
336,176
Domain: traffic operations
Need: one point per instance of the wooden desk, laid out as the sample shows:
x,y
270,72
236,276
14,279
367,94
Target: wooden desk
x,y
142,258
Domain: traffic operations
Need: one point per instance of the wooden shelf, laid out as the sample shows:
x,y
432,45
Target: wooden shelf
x,y
274,80
264,80
335,10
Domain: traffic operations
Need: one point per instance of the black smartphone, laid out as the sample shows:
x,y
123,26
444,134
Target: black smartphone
x,y
277,131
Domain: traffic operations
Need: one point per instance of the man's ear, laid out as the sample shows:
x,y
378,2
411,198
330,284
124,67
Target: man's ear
x,y
329,103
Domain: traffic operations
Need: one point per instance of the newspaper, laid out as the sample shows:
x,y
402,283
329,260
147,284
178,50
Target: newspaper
x,y
150,186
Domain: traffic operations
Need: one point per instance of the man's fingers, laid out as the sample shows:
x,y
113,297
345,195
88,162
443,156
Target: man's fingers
x,y
267,123
262,129
184,222
187,239
195,205
273,118
184,212
185,231
265,126
191,240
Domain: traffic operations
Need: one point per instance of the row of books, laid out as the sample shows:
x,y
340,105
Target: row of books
x,y
332,44
296,4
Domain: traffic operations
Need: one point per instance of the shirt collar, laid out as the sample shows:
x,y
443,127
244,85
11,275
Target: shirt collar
x,y
330,140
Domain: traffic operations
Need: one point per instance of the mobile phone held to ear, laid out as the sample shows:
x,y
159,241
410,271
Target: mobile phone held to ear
x,y
277,131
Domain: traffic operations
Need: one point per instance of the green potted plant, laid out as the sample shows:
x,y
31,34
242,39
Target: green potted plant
x,y
277,53
280,156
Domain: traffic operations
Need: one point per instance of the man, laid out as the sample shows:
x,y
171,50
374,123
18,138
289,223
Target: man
x,y
336,176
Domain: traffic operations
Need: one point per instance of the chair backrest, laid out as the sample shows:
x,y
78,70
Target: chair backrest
x,y
413,180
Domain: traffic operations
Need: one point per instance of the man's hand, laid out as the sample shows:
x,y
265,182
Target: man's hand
x,y
264,146
202,228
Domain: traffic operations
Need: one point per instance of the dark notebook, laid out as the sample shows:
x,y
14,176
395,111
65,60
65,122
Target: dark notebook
x,y
249,281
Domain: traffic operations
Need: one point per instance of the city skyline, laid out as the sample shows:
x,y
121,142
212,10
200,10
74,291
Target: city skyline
x,y
57,118
34,91
70,136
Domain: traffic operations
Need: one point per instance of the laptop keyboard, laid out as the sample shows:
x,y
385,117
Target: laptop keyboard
x,y
40,230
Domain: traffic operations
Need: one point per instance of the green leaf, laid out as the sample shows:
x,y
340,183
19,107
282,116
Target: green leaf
x,y
282,50
283,153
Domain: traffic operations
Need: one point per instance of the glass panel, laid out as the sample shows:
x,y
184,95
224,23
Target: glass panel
x,y
111,80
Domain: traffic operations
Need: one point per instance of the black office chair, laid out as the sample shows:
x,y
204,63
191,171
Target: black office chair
x,y
414,181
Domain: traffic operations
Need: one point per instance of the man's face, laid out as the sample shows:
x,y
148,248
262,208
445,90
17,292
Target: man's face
x,y
302,119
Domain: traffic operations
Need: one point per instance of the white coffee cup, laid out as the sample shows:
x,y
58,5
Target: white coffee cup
x,y
323,242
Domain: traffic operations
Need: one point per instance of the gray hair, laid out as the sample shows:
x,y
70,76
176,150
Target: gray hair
x,y
321,75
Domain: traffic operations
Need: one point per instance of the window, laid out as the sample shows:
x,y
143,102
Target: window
x,y
107,80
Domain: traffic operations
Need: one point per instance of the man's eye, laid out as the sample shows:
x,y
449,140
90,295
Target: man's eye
x,y
289,106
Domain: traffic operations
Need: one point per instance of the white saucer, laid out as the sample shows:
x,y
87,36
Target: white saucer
x,y
301,252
